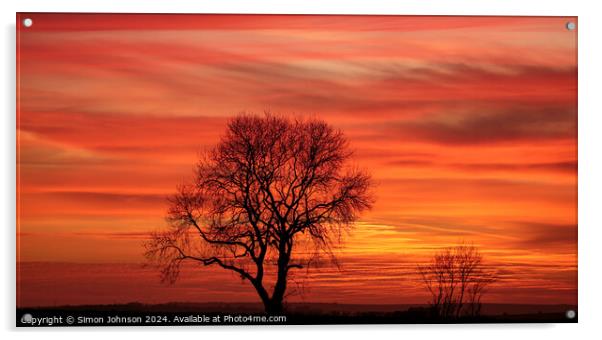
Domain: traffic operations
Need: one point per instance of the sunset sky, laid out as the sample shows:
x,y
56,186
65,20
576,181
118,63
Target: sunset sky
x,y
468,126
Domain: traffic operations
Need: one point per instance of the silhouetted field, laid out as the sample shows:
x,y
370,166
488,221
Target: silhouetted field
x,y
314,313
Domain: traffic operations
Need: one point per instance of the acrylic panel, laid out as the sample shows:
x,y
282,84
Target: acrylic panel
x,y
204,169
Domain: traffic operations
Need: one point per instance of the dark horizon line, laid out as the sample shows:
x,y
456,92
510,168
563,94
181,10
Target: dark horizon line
x,y
290,303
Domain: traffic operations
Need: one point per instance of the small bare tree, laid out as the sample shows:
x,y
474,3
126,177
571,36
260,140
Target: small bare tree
x,y
274,193
456,278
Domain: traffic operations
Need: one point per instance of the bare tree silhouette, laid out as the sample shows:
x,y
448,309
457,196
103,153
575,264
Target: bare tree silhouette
x,y
456,278
273,194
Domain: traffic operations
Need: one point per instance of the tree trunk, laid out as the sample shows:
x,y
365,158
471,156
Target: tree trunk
x,y
273,307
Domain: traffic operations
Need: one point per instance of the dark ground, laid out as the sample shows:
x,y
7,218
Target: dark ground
x,y
296,313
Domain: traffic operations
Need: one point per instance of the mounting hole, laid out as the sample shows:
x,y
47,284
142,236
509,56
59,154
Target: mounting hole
x,y
27,22
570,25
571,314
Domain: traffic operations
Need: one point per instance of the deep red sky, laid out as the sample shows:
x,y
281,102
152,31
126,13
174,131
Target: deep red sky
x,y
468,125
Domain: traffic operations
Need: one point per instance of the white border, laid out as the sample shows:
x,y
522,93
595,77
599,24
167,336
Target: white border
x,y
590,169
